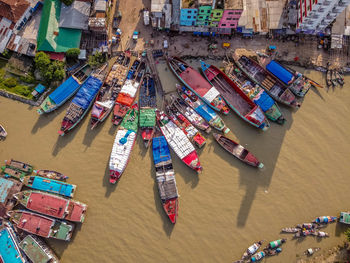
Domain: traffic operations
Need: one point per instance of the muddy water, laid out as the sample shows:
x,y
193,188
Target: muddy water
x,y
222,211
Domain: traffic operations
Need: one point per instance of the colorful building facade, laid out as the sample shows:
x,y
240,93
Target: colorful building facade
x,y
215,17
203,15
188,16
230,18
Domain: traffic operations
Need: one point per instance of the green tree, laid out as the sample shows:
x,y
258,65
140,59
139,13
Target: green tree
x,y
10,82
42,61
97,59
73,53
67,2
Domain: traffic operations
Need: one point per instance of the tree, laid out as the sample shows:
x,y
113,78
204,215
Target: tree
x,y
42,61
10,82
73,53
50,71
97,59
67,2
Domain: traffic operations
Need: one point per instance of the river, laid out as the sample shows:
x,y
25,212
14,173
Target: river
x,y
223,210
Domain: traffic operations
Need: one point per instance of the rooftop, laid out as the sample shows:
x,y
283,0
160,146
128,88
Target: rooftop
x,y
13,9
157,5
188,4
75,16
205,2
233,4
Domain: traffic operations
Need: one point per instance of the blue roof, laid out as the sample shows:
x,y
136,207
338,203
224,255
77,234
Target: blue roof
x,y
64,91
206,112
160,150
9,250
5,186
40,88
87,92
52,186
280,72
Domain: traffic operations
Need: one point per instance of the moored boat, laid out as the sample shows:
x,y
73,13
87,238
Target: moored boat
x,y
41,225
236,99
9,246
8,171
325,219
258,256
290,230
237,150
334,78
18,165
329,78
3,133
51,174
252,250
199,85
344,217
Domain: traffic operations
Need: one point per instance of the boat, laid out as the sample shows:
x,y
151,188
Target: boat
x,y
123,144
37,250
20,166
325,219
344,217
107,95
9,246
8,187
258,256
41,225
235,98
127,94
10,172
304,233
82,101
334,78
3,133
237,150
65,91
257,94
339,77
272,252
267,81
179,142
320,234
51,174
311,251
277,243
165,177
50,185
148,105
193,80
201,108
290,230
252,250
329,78
52,205
308,226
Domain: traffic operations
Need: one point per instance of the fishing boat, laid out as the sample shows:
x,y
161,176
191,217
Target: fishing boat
x,y
51,174
193,80
201,108
334,78
20,166
290,230
41,225
127,94
258,256
123,144
9,246
325,219
252,250
329,78
52,205
8,187
339,77
50,186
257,94
82,101
3,133
236,99
179,142
107,95
148,104
311,251
276,243
267,81
237,150
37,250
10,172
165,177
320,234
65,91
304,233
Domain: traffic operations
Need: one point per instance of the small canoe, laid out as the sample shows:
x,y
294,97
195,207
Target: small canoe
x,y
8,171
18,165
334,78
276,243
252,250
3,132
35,249
51,174
320,234
304,233
325,219
290,230
311,251
329,78
237,150
258,256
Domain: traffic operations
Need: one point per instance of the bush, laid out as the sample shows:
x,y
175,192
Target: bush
x,y
67,2
30,79
347,234
97,59
10,82
50,71
42,61
6,54
73,53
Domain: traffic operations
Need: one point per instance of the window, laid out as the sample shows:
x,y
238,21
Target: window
x,y
232,25
208,11
193,23
223,24
189,17
230,13
200,17
189,11
229,18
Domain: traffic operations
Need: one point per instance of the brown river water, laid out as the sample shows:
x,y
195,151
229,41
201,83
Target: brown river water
x,y
223,210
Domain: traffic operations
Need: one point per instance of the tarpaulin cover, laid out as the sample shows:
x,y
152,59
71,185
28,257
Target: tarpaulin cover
x,y
160,150
147,118
279,71
125,99
87,92
131,120
264,101
52,186
206,112
64,91
96,111
40,88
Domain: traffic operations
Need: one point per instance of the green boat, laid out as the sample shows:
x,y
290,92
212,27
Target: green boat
x,y
19,166
8,171
344,217
37,250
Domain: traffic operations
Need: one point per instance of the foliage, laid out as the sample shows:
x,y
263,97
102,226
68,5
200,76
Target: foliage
x,y
42,61
50,70
67,2
347,234
6,54
30,79
97,59
10,82
73,53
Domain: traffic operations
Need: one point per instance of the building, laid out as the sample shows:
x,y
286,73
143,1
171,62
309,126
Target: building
x,y
161,14
188,13
230,16
215,17
204,11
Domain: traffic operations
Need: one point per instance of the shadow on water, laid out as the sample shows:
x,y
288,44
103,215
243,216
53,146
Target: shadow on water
x,y
45,119
105,183
316,91
62,141
340,228
91,134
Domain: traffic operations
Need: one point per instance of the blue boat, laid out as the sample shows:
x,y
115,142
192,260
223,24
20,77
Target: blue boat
x,y
9,249
50,186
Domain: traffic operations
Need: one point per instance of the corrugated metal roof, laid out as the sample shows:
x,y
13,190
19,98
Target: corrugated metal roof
x,y
157,5
76,15
233,4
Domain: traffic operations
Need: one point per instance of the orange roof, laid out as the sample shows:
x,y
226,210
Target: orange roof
x,y
13,9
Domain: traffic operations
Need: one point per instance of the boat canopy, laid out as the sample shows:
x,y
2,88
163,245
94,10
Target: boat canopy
x,y
206,112
53,186
160,150
64,91
280,72
87,92
264,101
344,217
147,117
9,250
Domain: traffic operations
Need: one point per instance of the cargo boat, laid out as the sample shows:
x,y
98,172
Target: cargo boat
x,y
8,187
9,246
10,172
37,250
51,174
20,166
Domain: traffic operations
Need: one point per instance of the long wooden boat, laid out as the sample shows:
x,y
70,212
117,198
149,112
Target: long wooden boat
x,y
3,133
10,172
65,91
52,205
20,166
51,174
37,250
179,142
8,187
127,94
237,100
257,94
199,85
201,108
50,186
165,177
252,250
329,78
41,225
107,95
325,219
148,105
82,101
267,81
9,245
123,144
238,151
334,78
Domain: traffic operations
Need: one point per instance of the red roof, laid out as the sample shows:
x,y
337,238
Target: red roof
x,y
47,204
13,9
35,224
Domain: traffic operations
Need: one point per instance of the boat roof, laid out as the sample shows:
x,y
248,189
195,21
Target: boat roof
x,y
9,250
75,211
160,150
64,91
35,224
33,250
279,71
53,186
5,187
345,217
87,92
195,80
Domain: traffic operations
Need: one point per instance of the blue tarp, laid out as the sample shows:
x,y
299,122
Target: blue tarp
x,y
52,186
279,71
40,88
64,91
206,112
265,101
160,150
87,92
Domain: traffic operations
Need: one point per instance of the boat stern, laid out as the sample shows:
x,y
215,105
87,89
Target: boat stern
x,y
114,176
204,66
40,111
61,133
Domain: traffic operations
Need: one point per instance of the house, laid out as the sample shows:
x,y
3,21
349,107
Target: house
x,y
188,13
161,14
204,11
230,16
97,22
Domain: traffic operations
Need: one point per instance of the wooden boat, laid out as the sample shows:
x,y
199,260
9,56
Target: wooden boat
x,y
258,256
290,230
8,187
50,186
267,81
3,133
82,101
20,166
238,151
52,205
123,144
111,87
51,174
236,99
179,142
329,78
41,225
344,217
9,245
308,226
127,94
165,177
276,243
202,109
37,250
252,250
320,234
334,78
10,172
311,251
339,77
304,233
65,91
325,219
148,105
257,94
193,80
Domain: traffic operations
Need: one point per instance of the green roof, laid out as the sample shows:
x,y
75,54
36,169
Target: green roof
x,y
51,37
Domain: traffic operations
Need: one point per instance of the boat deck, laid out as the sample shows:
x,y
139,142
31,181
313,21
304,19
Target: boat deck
x,y
33,250
195,80
8,188
35,224
9,251
75,211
